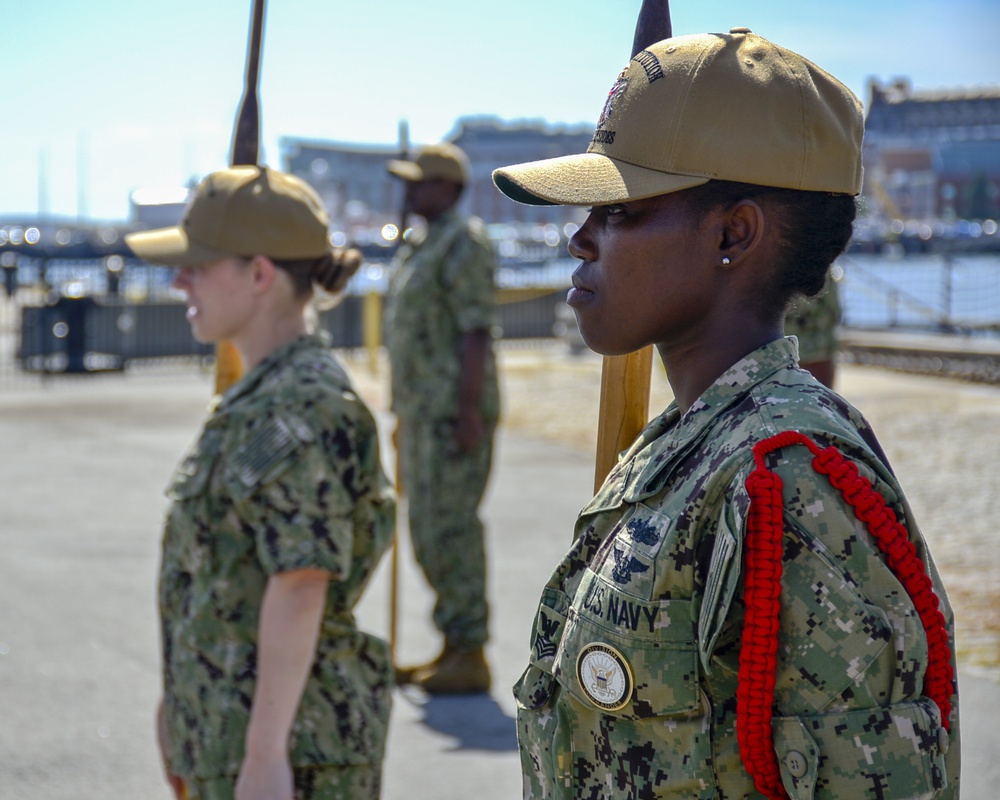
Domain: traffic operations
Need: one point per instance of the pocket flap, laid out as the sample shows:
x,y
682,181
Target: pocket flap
x,y
890,752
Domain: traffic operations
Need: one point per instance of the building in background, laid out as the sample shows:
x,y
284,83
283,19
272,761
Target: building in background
x,y
931,160
932,156
352,181
490,144
155,207
362,197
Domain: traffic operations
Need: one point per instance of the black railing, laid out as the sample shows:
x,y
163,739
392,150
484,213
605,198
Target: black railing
x,y
93,333
72,324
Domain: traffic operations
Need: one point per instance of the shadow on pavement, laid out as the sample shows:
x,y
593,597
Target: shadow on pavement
x,y
475,721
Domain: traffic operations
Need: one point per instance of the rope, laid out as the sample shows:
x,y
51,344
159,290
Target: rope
x,y
758,654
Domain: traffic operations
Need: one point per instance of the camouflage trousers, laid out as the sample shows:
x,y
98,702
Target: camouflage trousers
x,y
356,782
443,488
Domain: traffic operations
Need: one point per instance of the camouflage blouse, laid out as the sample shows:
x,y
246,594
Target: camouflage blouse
x,y
441,288
286,475
813,321
631,687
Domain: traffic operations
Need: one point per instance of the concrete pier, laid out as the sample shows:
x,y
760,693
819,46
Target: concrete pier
x,y
84,464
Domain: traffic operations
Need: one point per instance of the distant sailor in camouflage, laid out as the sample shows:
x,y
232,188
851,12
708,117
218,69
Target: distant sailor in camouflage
x,y
278,517
748,608
813,321
446,398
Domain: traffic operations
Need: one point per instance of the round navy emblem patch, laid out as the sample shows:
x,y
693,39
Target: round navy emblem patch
x,y
604,676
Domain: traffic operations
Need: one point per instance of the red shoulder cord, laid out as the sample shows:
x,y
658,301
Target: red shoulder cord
x,y
758,655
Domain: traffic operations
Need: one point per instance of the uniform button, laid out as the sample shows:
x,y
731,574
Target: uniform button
x,y
740,30
796,763
944,741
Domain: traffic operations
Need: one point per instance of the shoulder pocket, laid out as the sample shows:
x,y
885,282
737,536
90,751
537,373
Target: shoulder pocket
x,y
265,452
831,633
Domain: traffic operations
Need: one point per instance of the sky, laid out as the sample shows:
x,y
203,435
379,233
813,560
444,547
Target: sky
x,y
103,97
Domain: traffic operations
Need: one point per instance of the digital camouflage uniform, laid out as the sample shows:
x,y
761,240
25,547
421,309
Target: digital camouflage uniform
x,y
285,476
813,321
443,288
631,688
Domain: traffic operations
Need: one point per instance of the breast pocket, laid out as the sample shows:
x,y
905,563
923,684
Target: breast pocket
x,y
187,539
190,478
631,658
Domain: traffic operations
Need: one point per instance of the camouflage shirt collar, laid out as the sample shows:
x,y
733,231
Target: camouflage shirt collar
x,y
671,435
272,362
744,375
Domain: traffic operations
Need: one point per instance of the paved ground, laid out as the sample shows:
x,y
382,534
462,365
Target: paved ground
x,y
84,463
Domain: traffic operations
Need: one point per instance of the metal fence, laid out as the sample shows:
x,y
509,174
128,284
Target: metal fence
x,y
944,293
48,331
79,318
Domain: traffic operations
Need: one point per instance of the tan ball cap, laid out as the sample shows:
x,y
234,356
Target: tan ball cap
x,y
443,161
241,211
689,109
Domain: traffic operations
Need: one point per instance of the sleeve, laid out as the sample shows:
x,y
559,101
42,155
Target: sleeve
x,y
293,479
850,716
469,277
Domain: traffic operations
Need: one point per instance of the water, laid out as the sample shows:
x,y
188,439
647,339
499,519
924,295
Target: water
x,y
914,291
921,291
929,292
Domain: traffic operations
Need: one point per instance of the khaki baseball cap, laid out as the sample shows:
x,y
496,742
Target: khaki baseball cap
x,y
443,161
724,106
241,211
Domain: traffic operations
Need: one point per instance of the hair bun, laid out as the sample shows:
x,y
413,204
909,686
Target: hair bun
x,y
335,269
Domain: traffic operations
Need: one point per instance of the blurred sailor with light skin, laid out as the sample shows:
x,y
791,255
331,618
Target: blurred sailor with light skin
x,y
278,516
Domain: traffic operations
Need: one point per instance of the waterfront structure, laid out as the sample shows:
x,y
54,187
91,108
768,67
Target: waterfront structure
x,y
932,155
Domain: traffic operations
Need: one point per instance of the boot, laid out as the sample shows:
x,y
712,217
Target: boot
x,y
457,671
404,675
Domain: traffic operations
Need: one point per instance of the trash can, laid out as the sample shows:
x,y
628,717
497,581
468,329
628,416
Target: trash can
x,y
66,321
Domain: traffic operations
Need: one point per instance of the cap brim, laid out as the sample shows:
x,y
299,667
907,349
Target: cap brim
x,y
587,179
170,246
407,170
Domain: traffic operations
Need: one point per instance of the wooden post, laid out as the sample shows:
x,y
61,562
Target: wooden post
x,y
372,325
228,366
625,382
